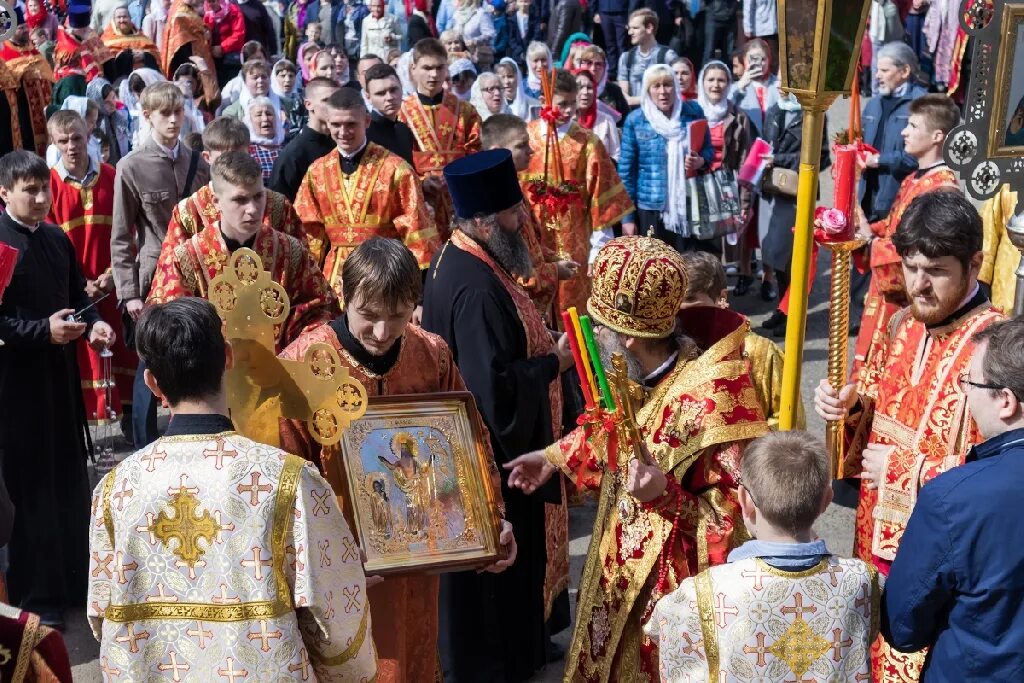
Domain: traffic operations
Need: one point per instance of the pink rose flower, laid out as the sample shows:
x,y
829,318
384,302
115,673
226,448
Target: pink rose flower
x,y
831,225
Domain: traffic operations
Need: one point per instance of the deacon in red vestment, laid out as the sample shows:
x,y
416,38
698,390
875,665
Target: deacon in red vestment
x,y
188,268
381,280
10,136
35,82
512,364
931,119
444,127
680,513
130,48
185,35
83,206
195,213
909,419
602,198
80,51
359,191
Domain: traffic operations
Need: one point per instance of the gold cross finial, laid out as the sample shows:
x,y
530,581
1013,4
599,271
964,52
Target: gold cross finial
x,y
185,525
263,388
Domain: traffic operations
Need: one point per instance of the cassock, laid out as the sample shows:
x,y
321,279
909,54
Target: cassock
x,y
604,202
124,45
445,129
264,583
187,269
84,211
42,421
35,77
887,293
185,36
393,136
198,212
342,202
910,398
404,608
480,311
296,158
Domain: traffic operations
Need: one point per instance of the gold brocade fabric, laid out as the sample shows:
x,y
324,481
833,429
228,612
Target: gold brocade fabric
x,y
197,212
184,28
605,202
189,267
404,608
695,423
766,358
1001,257
35,77
213,556
381,199
118,42
755,622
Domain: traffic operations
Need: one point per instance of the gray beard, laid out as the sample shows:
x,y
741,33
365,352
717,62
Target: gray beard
x,y
510,250
633,368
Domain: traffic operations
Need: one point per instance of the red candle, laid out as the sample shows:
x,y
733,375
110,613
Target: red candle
x,y
844,172
578,358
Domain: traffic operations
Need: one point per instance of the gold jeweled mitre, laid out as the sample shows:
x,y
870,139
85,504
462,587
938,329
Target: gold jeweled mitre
x,y
263,388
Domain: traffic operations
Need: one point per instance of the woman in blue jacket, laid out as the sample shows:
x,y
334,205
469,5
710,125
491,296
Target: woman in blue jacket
x,y
654,158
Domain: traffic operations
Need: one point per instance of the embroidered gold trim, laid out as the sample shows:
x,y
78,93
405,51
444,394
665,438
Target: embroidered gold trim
x,y
353,648
702,583
803,574
90,219
108,515
29,639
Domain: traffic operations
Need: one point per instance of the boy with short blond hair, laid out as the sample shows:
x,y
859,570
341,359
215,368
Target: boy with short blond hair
x,y
149,181
783,607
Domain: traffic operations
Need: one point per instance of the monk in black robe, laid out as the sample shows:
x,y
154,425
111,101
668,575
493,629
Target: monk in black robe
x,y
42,419
492,626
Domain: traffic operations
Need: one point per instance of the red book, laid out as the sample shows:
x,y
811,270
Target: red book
x,y
8,260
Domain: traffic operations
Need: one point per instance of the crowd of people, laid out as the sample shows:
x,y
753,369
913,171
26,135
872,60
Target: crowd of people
x,y
432,185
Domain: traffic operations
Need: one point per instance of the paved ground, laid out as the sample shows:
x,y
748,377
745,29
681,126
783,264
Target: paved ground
x,y
835,526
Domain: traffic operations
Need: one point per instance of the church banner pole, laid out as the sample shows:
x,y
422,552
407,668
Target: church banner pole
x,y
803,238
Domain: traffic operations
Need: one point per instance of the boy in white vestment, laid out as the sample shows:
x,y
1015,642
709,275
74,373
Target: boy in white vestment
x,y
783,607
215,557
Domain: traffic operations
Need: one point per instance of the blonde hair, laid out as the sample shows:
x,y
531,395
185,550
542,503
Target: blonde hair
x,y
786,475
225,134
535,49
63,121
162,97
646,15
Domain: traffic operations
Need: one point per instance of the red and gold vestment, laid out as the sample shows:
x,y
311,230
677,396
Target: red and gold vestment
x,y
31,70
443,133
197,212
404,608
887,293
188,268
382,198
85,211
184,28
85,56
911,400
605,201
118,42
694,422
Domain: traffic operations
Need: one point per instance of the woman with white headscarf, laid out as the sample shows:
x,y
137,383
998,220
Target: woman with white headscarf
x,y
654,159
519,102
262,116
113,119
538,60
488,96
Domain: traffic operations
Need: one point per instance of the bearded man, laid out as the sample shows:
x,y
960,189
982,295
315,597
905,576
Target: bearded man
x,y
508,358
907,418
132,49
674,511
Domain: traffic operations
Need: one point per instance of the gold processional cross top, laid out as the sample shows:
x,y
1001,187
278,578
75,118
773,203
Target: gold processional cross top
x,y
626,392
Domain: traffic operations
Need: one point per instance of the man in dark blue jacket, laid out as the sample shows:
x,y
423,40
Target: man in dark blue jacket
x,y
957,585
884,118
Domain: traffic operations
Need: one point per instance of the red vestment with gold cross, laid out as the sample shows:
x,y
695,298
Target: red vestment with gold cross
x,y
605,201
911,400
442,133
694,422
403,608
382,198
35,76
85,211
188,268
887,293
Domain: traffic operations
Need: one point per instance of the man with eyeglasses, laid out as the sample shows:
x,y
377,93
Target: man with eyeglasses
x,y
908,418
955,584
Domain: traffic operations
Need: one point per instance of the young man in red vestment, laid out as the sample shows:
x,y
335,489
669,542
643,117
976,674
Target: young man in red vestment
x,y
189,267
35,80
83,206
931,119
199,211
444,128
604,200
382,283
360,191
907,415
